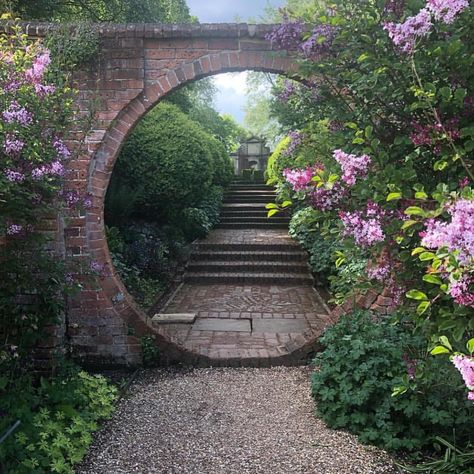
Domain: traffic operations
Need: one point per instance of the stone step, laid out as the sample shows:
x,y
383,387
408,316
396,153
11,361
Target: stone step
x,y
251,256
247,278
242,247
242,192
243,207
218,266
254,220
249,199
250,187
252,225
262,213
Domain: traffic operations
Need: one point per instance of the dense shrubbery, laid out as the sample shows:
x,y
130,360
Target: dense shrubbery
x,y
365,356
165,192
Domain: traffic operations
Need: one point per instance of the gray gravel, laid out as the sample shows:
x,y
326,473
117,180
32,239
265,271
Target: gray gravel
x,y
226,421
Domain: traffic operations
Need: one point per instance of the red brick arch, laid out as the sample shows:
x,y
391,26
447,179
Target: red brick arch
x,y
137,67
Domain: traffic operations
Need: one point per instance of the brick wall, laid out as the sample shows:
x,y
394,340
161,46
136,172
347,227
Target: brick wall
x,y
137,65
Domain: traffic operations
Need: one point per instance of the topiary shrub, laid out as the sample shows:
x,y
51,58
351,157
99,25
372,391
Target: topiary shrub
x,y
365,356
167,161
223,166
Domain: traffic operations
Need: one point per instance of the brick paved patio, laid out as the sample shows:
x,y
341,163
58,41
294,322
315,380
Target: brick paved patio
x,y
251,290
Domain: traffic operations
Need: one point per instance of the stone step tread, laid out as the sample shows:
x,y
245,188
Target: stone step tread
x,y
253,225
277,275
254,219
225,265
207,246
249,253
174,318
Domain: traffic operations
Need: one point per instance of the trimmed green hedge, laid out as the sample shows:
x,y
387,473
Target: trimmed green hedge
x,y
168,163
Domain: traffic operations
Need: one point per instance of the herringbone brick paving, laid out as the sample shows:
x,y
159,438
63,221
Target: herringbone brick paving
x,y
251,290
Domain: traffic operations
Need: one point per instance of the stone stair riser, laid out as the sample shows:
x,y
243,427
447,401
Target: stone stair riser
x,y
244,225
248,279
232,267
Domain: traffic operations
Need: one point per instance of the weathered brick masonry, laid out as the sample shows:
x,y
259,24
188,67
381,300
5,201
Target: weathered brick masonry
x,y
137,65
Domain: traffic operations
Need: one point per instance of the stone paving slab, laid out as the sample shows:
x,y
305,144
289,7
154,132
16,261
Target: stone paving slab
x,y
224,325
279,325
250,236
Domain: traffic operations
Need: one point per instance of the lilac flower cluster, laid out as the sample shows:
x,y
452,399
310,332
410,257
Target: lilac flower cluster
x,y
327,198
99,269
462,290
404,35
320,41
12,146
352,166
299,179
394,7
434,135
457,235
364,226
35,74
287,35
287,92
61,148
14,176
380,271
55,168
17,114
296,139
446,10
14,229
465,365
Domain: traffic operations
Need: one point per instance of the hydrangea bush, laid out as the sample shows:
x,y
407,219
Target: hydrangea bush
x,y
394,84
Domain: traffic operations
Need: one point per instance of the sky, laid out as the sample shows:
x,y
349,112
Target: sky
x,y
231,87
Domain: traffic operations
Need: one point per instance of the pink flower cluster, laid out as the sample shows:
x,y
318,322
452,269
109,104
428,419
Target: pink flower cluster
x,y
17,114
404,35
364,226
381,271
352,166
462,291
465,365
446,10
35,74
457,235
299,179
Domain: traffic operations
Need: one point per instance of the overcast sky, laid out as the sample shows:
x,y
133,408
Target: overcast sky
x,y
231,87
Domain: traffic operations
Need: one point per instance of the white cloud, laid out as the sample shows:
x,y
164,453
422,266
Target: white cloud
x,y
235,82
232,93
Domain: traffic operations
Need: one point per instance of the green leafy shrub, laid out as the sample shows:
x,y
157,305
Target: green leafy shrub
x,y
247,175
57,418
195,223
365,356
223,166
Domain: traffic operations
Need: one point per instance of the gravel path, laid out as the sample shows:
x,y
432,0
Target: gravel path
x,y
226,421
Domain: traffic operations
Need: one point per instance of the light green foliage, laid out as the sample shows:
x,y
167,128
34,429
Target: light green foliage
x,y
362,360
57,420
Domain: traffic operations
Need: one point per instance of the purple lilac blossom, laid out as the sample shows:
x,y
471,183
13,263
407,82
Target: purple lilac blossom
x,y
17,114
460,291
14,229
36,72
446,10
296,139
319,42
404,35
14,176
411,365
12,146
61,148
394,7
327,198
287,92
287,35
364,226
55,168
465,365
352,166
380,271
457,235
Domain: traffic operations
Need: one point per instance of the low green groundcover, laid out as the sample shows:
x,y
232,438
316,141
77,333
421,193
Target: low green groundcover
x,y
58,417
365,356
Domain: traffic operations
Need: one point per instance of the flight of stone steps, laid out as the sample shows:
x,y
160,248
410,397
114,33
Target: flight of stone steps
x,y
248,247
